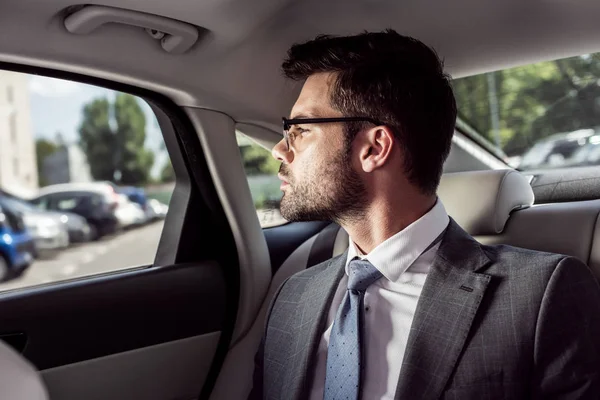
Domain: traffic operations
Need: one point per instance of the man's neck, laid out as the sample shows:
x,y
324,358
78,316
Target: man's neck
x,y
383,220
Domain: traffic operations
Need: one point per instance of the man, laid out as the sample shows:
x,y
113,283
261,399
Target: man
x,y
416,308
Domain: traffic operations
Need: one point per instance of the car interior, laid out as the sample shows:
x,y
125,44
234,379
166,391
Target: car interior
x,y
188,325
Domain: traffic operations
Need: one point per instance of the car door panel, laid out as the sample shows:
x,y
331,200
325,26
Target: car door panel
x,y
172,370
121,311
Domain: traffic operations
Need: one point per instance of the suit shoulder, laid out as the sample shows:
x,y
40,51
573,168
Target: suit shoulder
x,y
299,282
520,259
313,271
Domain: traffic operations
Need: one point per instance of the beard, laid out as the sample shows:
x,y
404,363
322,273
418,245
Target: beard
x,y
331,191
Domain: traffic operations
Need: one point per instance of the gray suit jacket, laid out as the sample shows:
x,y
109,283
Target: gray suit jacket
x,y
492,322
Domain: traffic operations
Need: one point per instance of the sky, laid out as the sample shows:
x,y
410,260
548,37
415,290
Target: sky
x,y
56,106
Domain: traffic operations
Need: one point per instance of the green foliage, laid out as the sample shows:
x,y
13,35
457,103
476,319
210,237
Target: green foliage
x,y
258,161
116,150
261,169
43,148
534,101
265,190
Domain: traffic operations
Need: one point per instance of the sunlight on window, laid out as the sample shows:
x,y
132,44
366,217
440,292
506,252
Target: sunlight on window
x,y
85,180
543,115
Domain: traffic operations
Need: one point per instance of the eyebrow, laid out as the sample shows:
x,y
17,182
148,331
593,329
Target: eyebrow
x,y
305,115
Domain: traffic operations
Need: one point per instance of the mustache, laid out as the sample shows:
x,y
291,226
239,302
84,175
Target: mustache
x,y
285,172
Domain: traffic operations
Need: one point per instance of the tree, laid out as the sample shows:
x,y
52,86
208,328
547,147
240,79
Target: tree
x,y
116,151
258,161
43,148
534,101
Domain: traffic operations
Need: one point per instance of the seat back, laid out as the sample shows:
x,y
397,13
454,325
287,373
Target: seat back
x,y
19,380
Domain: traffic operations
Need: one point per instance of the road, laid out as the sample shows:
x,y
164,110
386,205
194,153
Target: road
x,y
131,248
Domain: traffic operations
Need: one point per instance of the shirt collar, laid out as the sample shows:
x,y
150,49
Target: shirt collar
x,y
396,254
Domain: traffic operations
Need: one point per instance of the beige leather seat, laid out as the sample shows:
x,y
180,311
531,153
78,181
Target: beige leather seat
x,y
502,216
19,380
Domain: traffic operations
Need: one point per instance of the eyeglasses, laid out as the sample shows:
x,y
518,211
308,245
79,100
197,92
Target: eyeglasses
x,y
287,124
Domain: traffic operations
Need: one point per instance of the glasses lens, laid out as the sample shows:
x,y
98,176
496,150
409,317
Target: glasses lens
x,y
286,135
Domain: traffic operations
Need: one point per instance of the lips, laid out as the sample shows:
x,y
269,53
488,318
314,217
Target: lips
x,y
284,181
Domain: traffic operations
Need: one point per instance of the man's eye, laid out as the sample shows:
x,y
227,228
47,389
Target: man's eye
x,y
297,130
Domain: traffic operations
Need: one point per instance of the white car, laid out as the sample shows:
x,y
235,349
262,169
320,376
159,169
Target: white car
x,y
46,228
48,232
157,209
129,213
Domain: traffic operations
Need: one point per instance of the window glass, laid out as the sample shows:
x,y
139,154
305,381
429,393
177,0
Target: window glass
x,y
539,116
261,170
85,181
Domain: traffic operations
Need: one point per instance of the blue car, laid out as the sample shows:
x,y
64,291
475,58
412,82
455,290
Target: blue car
x,y
17,247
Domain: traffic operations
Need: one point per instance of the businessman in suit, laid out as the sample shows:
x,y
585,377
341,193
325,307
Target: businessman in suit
x,y
415,308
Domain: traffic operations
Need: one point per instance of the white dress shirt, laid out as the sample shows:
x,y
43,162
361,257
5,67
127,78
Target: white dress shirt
x,y
390,303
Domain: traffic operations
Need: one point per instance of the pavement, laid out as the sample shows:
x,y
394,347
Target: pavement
x,y
124,250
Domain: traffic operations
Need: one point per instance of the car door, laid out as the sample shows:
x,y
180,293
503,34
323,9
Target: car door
x,y
132,316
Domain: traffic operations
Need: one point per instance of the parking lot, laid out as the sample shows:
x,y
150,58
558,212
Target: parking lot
x,y
132,248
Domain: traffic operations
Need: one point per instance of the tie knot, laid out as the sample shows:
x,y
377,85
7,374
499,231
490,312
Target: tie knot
x,y
361,274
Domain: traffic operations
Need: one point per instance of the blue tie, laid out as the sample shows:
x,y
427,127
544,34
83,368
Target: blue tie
x,y
344,359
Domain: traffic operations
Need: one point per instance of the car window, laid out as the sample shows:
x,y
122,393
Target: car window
x,y
261,171
538,116
64,134
19,205
67,204
41,203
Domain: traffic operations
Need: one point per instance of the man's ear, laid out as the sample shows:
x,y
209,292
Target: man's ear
x,y
376,148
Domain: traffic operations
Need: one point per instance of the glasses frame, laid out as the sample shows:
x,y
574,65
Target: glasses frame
x,y
287,123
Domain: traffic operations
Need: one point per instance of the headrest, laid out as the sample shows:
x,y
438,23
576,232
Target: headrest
x,y
481,201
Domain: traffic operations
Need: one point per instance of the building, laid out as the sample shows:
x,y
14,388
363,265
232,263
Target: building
x,y
18,168
67,165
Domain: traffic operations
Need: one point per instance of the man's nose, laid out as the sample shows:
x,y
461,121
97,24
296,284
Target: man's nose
x,y
281,153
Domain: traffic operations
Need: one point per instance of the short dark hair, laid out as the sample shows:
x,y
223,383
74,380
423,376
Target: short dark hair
x,y
391,78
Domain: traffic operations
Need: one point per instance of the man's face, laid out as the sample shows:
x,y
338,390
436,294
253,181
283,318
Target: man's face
x,y
320,182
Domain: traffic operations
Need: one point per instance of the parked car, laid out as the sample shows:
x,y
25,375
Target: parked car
x,y
97,203
77,228
138,196
128,213
555,150
587,155
17,248
47,230
158,209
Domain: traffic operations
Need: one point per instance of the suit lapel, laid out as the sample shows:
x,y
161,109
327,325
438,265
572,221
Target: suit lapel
x,y
309,326
449,301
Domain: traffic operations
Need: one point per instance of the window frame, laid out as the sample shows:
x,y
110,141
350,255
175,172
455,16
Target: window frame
x,y
194,203
175,127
